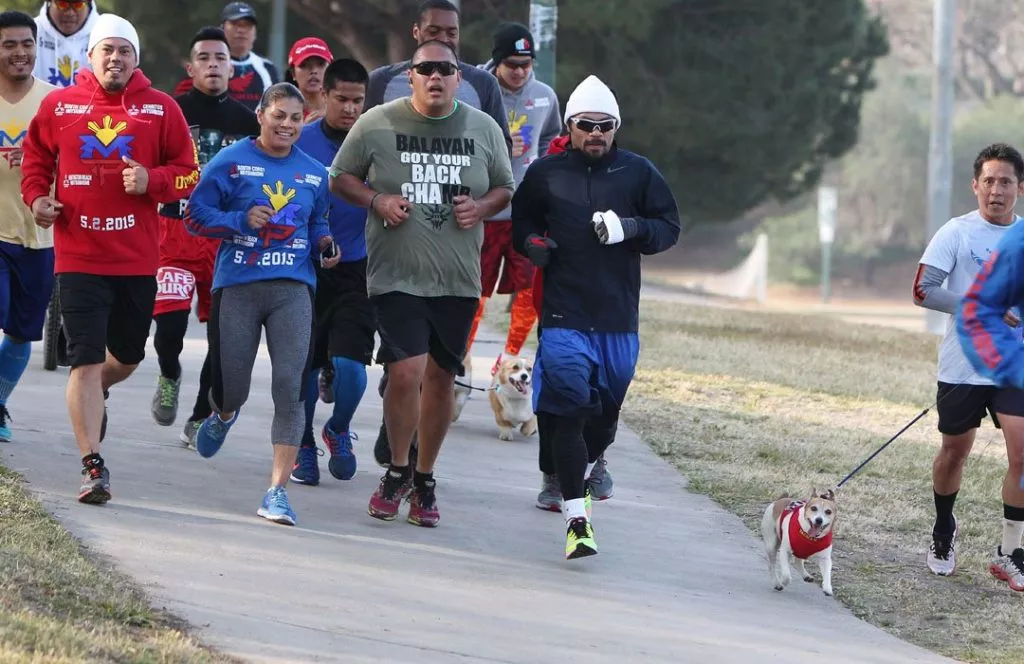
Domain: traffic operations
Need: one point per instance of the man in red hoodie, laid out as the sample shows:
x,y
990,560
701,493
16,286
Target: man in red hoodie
x,y
114,148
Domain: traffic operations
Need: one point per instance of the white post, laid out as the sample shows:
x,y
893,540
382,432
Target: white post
x,y
940,147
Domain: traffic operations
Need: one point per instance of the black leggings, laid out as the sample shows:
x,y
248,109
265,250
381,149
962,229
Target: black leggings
x,y
169,340
568,444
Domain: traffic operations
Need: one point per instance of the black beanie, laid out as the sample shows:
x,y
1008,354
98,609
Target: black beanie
x,y
511,39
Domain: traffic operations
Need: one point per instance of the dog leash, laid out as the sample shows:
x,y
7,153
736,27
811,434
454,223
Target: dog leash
x,y
897,435
492,388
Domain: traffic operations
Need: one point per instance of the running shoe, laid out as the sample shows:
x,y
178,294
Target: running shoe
x,y
165,401
212,433
276,507
423,506
550,496
942,552
386,500
188,434
95,488
342,463
307,467
1009,568
600,480
579,539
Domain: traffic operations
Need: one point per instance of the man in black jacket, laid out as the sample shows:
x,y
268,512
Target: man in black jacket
x,y
586,216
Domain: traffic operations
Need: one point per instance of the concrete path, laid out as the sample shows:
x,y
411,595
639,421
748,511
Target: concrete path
x,y
677,580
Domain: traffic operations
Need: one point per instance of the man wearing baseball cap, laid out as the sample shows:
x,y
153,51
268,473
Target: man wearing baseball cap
x,y
307,62
252,72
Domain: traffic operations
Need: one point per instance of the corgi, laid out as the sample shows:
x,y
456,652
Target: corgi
x,y
511,397
801,529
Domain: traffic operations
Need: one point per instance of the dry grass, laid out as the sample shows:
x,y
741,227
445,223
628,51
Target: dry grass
x,y
747,405
57,605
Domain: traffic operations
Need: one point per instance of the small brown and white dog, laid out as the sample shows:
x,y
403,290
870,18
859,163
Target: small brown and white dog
x,y
801,529
511,397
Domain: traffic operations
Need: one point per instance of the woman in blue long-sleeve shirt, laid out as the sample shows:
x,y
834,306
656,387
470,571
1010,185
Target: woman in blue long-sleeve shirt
x,y
268,202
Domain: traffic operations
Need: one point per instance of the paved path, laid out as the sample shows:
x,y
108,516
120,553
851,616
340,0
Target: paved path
x,y
677,580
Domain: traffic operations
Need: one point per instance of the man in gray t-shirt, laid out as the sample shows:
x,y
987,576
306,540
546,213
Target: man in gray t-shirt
x,y
435,168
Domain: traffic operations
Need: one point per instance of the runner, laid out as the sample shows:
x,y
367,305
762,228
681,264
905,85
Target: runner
x,y
436,168
252,72
534,120
63,40
970,389
26,250
436,20
186,261
344,318
590,250
307,61
268,203
115,148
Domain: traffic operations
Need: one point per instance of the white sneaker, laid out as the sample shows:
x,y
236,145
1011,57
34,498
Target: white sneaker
x,y
1009,568
462,392
942,553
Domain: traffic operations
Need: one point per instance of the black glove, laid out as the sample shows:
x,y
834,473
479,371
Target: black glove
x,y
538,249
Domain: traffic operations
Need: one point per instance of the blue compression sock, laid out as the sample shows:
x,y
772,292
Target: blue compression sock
x,y
312,396
349,386
13,360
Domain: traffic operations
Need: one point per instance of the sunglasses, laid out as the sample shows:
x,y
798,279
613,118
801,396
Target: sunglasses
x,y
518,65
64,5
588,126
443,67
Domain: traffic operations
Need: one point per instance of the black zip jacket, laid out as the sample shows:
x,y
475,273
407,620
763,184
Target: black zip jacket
x,y
587,285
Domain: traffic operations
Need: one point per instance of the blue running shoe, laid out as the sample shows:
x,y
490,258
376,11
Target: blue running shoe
x,y
342,463
211,434
5,431
307,468
276,508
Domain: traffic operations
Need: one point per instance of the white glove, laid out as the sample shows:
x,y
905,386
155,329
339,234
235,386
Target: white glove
x,y
608,227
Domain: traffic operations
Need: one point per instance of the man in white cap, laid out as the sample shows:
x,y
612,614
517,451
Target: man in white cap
x,y
115,148
590,250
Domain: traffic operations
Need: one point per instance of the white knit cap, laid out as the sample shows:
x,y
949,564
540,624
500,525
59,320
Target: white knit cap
x,y
112,25
592,96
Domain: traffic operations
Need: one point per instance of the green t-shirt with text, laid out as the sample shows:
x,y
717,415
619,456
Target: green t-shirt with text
x,y
429,161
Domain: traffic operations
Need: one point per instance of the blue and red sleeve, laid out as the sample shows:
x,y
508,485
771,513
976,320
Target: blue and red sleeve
x,y
992,347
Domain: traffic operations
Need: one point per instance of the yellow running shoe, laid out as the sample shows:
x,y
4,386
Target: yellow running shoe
x,y
579,539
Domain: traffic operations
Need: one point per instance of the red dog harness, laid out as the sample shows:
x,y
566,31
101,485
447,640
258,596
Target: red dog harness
x,y
803,545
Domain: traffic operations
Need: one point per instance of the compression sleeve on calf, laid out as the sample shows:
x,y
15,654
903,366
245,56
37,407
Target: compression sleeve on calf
x,y
929,293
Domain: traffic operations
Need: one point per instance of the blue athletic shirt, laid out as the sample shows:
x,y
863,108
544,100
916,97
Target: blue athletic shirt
x,y
240,177
348,222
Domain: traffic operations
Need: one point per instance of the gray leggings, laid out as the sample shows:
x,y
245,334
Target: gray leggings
x,y
237,319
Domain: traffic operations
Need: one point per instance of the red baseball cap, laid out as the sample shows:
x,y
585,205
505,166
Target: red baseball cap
x,y
308,47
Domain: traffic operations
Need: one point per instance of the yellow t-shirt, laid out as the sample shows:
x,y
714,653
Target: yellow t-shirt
x,y
16,223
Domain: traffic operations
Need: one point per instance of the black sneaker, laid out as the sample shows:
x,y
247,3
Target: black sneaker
x,y
382,448
96,485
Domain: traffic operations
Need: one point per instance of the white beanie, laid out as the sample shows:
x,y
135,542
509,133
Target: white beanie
x,y
592,96
112,25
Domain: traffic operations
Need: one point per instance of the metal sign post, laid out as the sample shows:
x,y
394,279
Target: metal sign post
x,y
828,203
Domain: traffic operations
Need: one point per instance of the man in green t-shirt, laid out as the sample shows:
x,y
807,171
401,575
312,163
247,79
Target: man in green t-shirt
x,y
435,168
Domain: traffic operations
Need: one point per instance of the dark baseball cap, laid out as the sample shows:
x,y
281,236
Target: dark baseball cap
x,y
236,11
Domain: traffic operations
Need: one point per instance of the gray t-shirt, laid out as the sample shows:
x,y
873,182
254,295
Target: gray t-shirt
x,y
429,161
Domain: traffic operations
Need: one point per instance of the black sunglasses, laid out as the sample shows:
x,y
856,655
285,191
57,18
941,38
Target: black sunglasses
x,y
588,126
444,67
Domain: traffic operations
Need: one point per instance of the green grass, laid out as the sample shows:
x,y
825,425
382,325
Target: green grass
x,y
748,405
58,605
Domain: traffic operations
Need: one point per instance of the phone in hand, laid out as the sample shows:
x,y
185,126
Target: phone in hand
x,y
329,252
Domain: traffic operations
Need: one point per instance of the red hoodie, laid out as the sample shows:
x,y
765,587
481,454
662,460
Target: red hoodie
x,y
77,139
558,144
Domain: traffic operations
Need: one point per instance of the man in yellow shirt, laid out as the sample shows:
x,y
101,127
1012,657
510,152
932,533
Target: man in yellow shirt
x,y
26,250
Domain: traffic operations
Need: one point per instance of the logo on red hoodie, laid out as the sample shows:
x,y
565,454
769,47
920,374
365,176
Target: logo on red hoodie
x,y
106,140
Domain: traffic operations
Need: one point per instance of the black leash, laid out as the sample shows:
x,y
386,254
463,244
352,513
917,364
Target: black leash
x,y
478,389
898,434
